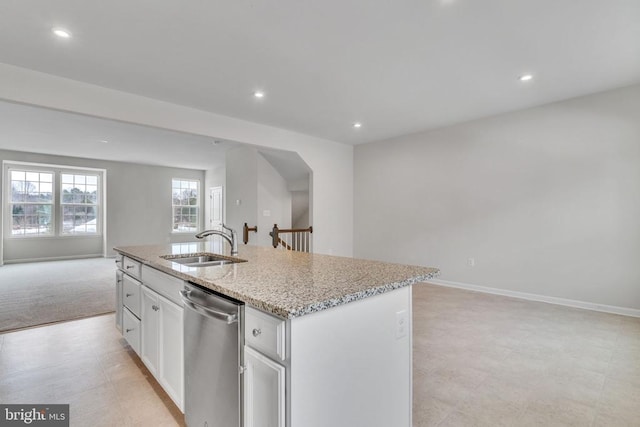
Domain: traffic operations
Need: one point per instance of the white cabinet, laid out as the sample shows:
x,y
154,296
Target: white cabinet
x,y
128,305
265,333
131,267
162,342
171,355
264,391
264,375
131,294
149,314
150,330
131,330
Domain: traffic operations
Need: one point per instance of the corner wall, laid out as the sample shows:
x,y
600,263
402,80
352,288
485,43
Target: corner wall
x,y
546,201
259,188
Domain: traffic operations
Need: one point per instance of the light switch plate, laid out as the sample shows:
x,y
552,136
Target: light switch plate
x,y
402,324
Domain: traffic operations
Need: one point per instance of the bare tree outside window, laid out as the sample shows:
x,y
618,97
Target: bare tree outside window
x,y
185,205
31,203
79,201
54,202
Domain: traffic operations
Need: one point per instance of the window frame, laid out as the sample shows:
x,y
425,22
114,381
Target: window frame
x,y
96,206
197,206
27,168
56,199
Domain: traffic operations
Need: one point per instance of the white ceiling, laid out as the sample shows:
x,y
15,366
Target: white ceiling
x,y
397,66
41,130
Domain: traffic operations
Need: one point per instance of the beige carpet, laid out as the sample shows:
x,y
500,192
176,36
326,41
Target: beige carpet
x,y
38,293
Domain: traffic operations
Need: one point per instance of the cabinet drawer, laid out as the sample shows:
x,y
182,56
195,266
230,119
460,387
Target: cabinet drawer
x,y
131,267
131,330
131,294
164,284
265,333
119,259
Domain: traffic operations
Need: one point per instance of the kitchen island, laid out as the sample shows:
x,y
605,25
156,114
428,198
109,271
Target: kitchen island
x,y
335,331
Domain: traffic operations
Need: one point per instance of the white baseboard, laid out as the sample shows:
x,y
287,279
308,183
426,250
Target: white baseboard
x,y
624,311
59,258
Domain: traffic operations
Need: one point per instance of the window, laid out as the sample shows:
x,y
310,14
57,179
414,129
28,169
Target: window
x,y
185,205
31,203
52,201
79,202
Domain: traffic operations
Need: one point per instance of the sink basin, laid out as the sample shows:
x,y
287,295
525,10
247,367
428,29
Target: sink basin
x,y
202,260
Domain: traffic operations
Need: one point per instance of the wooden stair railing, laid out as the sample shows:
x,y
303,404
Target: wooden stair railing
x,y
245,232
295,239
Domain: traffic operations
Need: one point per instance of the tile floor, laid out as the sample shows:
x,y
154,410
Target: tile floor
x,y
87,364
479,360
487,360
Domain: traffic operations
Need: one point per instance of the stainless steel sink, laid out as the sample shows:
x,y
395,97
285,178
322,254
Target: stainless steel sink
x,y
202,260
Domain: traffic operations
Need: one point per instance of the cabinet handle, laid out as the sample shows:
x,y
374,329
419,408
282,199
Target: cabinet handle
x,y
129,330
155,307
119,281
130,266
118,261
256,332
128,295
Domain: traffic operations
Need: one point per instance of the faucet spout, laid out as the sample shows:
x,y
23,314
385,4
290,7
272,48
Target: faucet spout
x,y
230,236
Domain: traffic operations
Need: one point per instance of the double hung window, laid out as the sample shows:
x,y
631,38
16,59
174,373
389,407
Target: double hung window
x,y
185,205
79,202
31,203
50,201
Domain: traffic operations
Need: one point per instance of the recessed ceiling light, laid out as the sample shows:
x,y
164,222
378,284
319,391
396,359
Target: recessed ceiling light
x,y
526,77
104,141
357,125
258,94
62,33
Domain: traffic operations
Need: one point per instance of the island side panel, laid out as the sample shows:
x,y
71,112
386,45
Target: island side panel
x,y
352,366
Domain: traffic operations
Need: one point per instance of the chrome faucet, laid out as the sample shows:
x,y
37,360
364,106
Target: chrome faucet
x,y
230,237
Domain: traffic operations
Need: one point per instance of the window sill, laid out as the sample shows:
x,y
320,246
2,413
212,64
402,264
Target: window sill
x,y
65,236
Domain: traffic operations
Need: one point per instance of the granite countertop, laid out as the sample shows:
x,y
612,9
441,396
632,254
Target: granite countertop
x,y
286,283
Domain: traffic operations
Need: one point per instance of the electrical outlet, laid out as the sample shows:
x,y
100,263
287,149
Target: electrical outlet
x,y
471,262
402,324
266,212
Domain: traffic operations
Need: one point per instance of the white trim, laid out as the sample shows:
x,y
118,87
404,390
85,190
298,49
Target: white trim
x,y
50,165
58,169
200,216
104,213
624,311
57,258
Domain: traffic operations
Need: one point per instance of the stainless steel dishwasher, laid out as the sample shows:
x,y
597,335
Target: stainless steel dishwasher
x,y
212,358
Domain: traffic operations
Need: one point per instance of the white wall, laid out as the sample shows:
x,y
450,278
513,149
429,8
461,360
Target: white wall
x,y
242,186
300,209
259,187
215,176
331,162
138,205
273,196
546,200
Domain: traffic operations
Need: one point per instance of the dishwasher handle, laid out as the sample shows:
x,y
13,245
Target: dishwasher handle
x,y
207,311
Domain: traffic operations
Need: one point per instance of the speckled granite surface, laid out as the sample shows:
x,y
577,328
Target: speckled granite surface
x,y
286,283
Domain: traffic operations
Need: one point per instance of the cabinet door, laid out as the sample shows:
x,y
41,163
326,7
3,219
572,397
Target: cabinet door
x,y
150,329
171,362
264,391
